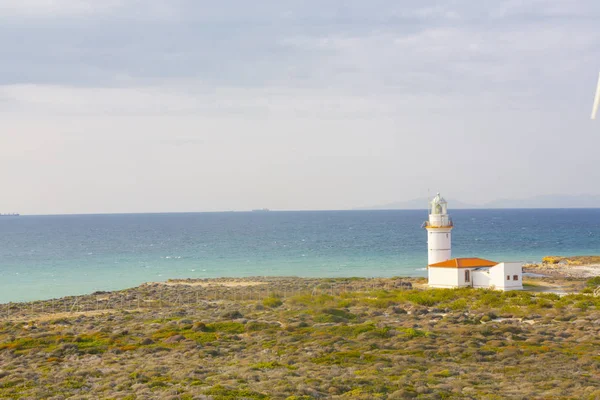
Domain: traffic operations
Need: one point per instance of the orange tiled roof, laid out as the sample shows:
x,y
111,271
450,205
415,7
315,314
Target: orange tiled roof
x,y
465,263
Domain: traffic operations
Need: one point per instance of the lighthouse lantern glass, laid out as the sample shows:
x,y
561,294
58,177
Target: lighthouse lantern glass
x,y
439,206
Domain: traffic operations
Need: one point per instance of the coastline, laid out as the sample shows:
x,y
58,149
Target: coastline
x,y
538,277
168,293
539,272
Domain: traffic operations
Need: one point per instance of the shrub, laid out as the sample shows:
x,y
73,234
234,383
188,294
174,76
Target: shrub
x,y
265,365
219,392
593,282
259,326
460,304
443,374
233,315
227,327
584,304
309,300
551,260
334,315
272,302
413,333
345,358
351,330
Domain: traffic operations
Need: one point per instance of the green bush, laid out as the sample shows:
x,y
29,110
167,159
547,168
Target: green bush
x,y
272,302
345,358
227,327
460,304
593,282
334,315
351,330
413,333
265,365
219,392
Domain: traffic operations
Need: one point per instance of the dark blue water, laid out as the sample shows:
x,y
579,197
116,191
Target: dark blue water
x,y
52,256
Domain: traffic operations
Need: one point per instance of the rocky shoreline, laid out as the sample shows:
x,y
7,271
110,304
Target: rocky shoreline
x,y
564,270
175,292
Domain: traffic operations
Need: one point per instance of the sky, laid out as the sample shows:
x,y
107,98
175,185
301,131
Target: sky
x,y
187,105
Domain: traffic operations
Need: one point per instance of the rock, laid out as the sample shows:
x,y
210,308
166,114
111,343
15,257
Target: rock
x,y
422,390
175,339
403,285
199,327
147,342
232,315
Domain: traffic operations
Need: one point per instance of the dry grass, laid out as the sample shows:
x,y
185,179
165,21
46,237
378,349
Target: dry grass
x,y
362,344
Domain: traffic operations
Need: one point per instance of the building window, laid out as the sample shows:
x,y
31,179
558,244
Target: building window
x,y
508,277
515,277
467,276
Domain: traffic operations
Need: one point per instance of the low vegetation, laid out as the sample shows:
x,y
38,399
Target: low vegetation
x,y
385,343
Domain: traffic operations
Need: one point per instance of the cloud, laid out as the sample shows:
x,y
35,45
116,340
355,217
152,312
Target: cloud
x,y
181,99
345,46
54,8
361,102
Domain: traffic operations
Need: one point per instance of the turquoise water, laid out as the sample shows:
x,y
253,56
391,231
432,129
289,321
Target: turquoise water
x,y
44,257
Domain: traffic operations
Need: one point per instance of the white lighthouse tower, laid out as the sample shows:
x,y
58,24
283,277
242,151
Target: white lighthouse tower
x,y
439,231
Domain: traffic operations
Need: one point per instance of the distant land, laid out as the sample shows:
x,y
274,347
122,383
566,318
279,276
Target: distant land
x,y
544,201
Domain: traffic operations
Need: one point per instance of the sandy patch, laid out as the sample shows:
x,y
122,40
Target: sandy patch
x,y
574,271
590,270
65,315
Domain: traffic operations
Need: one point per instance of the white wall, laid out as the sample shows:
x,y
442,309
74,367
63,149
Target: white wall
x,y
481,278
499,273
439,242
462,282
444,277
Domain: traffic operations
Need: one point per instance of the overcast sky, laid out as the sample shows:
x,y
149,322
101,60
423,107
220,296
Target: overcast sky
x,y
190,105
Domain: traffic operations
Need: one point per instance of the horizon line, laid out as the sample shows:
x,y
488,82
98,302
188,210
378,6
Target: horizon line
x,y
294,210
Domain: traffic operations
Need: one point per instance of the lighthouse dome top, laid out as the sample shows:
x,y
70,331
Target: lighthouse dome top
x,y
438,199
439,205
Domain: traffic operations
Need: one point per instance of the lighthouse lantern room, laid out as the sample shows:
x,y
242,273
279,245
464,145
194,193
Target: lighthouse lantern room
x,y
439,231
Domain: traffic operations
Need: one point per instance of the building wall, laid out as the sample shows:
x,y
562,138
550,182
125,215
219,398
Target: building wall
x,y
493,278
462,277
439,242
481,278
443,277
500,272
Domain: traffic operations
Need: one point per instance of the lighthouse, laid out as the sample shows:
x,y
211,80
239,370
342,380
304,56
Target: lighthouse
x,y
445,272
439,231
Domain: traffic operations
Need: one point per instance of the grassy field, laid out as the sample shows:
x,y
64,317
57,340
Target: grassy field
x,y
359,343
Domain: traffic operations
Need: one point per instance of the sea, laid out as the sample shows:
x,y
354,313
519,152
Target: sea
x,y
44,257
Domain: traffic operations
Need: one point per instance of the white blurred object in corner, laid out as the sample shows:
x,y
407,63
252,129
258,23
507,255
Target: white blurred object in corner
x,y
596,100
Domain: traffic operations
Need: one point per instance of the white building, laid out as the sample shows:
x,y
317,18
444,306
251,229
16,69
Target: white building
x,y
477,273
445,272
